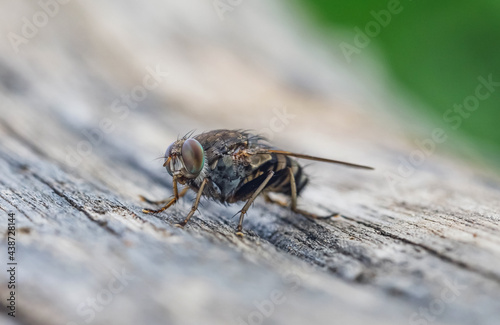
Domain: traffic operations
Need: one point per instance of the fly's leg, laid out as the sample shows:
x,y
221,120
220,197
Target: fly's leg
x,y
195,205
181,194
171,202
250,201
294,201
275,201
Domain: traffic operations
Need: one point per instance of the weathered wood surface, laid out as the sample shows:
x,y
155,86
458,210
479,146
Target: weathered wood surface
x,y
427,252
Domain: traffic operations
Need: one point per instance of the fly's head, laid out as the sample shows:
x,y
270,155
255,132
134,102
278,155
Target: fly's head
x,y
185,160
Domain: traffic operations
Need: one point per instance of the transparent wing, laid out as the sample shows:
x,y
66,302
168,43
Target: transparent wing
x,y
302,156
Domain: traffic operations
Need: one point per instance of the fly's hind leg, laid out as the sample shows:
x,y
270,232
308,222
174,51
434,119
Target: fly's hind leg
x,y
171,201
294,201
250,201
281,203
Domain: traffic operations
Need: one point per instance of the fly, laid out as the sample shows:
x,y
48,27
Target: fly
x,y
231,166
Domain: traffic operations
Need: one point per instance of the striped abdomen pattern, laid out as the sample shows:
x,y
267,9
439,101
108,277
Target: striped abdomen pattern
x,y
279,183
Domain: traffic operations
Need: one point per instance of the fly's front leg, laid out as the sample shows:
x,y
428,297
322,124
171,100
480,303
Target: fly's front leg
x,y
171,201
195,205
181,194
294,201
250,201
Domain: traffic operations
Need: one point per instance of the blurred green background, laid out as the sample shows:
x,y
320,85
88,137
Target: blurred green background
x,y
436,50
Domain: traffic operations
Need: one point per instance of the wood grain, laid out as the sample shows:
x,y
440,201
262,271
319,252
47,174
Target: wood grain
x,y
424,251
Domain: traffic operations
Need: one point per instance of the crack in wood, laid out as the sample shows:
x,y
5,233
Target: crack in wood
x,y
484,273
15,205
101,223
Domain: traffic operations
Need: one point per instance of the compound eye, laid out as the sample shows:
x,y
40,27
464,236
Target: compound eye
x,y
167,155
193,156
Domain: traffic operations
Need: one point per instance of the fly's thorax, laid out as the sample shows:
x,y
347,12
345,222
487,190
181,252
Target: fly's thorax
x,y
257,161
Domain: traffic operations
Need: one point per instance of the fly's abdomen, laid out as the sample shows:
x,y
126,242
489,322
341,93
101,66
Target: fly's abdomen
x,y
279,183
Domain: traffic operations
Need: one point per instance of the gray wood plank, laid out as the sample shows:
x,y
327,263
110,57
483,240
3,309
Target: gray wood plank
x,y
424,252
